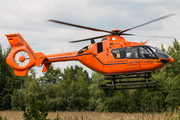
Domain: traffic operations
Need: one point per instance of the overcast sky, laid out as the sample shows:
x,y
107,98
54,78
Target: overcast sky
x,y
29,18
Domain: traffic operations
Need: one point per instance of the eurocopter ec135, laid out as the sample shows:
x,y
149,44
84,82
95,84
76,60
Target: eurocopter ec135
x,y
113,56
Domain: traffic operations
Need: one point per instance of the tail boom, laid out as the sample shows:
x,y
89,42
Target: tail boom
x,y
69,56
61,57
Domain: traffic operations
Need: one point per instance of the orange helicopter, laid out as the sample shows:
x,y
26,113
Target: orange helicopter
x,y
113,56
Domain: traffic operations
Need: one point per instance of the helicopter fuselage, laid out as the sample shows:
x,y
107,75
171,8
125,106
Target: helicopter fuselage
x,y
115,55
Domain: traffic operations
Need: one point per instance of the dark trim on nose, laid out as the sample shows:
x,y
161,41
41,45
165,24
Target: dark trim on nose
x,y
165,62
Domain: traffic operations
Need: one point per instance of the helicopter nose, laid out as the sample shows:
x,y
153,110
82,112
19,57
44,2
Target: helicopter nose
x,y
171,60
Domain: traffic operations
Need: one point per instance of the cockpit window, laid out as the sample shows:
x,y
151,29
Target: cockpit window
x,y
146,53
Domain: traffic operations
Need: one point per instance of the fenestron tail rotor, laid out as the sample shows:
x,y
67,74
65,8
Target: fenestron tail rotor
x,y
21,58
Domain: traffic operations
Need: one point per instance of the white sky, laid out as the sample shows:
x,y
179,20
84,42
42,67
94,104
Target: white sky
x,y
29,18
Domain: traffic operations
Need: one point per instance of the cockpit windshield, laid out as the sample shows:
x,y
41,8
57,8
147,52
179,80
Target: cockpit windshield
x,y
139,52
159,53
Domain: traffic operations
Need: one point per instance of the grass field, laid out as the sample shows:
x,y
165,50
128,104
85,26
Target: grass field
x,y
18,115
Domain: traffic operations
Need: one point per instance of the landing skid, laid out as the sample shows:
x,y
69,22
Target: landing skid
x,y
117,81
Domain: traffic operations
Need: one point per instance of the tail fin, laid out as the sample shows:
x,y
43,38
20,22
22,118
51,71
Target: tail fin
x,y
22,57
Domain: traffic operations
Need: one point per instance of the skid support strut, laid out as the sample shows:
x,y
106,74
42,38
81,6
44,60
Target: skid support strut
x,y
114,81
117,81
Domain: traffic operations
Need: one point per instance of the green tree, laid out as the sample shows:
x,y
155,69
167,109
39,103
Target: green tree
x,y
8,81
117,103
96,93
34,89
6,96
31,89
172,81
50,81
52,75
73,90
17,99
104,100
37,110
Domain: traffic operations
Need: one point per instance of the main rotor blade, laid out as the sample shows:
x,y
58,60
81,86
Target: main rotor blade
x,y
146,35
80,26
147,23
126,34
89,38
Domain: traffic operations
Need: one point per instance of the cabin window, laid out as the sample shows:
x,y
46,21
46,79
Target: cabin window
x,y
83,49
125,53
133,53
116,53
104,39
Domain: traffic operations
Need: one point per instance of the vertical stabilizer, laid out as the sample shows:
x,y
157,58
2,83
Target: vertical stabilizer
x,y
22,57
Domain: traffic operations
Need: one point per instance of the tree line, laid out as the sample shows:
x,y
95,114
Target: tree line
x,y
72,89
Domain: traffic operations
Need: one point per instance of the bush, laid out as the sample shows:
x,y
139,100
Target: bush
x,y
37,111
